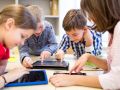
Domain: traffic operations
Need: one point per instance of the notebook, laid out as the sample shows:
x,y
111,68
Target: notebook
x,y
51,65
37,77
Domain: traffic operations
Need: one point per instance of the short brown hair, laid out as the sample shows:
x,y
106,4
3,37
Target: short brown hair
x,y
23,18
74,19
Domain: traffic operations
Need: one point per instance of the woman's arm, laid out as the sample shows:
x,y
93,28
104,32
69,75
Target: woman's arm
x,y
99,62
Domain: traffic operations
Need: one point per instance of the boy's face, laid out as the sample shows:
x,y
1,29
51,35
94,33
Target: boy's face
x,y
39,30
76,35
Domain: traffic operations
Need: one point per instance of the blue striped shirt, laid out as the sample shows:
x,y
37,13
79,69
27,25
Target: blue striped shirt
x,y
79,48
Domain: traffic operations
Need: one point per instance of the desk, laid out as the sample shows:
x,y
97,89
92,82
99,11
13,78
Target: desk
x,y
49,86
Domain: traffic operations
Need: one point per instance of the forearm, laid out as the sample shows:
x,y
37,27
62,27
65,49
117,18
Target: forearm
x,y
3,65
99,62
2,82
23,55
24,51
90,81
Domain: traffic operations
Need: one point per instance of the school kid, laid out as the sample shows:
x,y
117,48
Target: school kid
x,y
78,36
16,25
42,43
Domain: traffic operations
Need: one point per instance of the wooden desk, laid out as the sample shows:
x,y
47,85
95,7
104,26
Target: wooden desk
x,y
49,86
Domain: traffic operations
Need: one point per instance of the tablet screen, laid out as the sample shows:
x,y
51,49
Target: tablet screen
x,y
51,65
33,78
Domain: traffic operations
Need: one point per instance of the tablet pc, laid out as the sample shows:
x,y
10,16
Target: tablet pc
x,y
33,78
80,73
51,65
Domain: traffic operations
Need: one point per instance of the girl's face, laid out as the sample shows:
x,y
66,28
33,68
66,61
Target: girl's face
x,y
17,37
76,35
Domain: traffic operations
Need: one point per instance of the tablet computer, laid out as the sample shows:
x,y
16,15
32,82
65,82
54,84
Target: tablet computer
x,y
80,73
33,78
51,65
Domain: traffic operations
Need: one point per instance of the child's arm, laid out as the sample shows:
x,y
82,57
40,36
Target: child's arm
x,y
12,76
24,51
64,45
3,64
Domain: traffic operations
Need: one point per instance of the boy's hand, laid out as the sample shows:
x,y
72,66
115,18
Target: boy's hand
x,y
15,74
59,55
27,62
44,55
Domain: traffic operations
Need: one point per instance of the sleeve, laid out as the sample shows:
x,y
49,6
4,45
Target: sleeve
x,y
65,43
89,49
24,51
4,53
52,45
111,80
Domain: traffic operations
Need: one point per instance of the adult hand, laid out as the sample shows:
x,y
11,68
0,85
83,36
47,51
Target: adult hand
x,y
80,63
62,80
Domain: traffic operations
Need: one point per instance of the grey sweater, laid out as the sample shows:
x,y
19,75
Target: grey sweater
x,y
35,45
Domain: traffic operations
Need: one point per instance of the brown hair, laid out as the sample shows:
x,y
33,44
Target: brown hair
x,y
74,19
98,11
23,19
114,8
36,11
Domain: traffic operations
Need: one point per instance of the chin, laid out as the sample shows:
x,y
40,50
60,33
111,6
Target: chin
x,y
76,41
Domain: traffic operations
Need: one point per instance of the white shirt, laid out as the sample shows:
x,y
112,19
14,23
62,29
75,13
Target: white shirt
x,y
111,80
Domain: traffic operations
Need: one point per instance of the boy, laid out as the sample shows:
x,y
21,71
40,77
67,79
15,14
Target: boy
x,y
42,43
78,36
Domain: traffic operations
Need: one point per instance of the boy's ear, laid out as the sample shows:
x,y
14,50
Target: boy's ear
x,y
10,23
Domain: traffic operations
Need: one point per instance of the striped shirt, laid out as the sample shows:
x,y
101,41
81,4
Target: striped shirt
x,y
79,48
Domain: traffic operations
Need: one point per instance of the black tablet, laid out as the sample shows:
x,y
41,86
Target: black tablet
x,y
51,65
33,78
80,73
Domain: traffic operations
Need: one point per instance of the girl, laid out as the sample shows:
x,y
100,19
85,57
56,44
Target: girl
x,y
16,25
105,14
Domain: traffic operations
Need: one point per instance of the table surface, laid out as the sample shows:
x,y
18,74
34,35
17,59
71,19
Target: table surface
x,y
49,86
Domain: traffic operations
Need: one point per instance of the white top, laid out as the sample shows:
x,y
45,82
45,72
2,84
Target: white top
x,y
111,80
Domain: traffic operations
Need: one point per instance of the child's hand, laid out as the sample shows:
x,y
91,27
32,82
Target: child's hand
x,y
27,62
62,80
44,55
59,55
15,74
80,63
